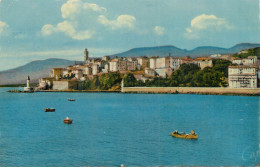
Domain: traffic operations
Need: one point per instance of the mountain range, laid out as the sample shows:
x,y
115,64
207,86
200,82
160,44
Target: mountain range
x,y
35,69
174,51
41,68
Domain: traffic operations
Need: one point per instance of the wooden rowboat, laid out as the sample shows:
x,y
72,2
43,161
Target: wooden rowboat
x,y
49,109
192,135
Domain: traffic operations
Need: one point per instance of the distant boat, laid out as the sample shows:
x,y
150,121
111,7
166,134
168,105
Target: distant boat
x,y
67,120
71,99
49,109
192,135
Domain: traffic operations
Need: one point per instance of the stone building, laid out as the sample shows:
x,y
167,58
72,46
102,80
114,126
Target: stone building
x,y
203,62
57,72
66,85
242,76
163,62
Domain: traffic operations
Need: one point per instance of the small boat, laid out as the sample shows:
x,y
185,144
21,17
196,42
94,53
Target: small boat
x,y
71,99
192,135
67,120
49,109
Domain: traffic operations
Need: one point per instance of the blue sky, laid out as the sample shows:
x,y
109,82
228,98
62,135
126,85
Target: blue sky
x,y
40,29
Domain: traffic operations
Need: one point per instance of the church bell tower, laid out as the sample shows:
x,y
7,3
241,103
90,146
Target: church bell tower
x,y
86,54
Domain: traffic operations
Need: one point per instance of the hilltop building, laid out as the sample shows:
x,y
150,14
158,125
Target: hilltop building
x,y
242,76
250,60
203,62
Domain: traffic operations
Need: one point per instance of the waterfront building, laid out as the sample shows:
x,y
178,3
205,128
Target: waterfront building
x,y
44,83
57,73
242,76
66,84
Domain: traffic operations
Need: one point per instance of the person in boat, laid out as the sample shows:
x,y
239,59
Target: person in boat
x,y
192,132
176,132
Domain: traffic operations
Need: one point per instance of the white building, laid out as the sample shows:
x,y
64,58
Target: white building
x,y
78,73
152,62
113,65
149,72
87,70
242,76
95,69
203,62
250,60
162,62
175,63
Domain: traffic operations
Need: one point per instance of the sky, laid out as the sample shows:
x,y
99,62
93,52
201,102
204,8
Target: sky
x,y
40,29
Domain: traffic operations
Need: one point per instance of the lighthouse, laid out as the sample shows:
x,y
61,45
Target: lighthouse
x,y
28,88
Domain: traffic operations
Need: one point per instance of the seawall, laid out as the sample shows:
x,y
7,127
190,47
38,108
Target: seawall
x,y
194,90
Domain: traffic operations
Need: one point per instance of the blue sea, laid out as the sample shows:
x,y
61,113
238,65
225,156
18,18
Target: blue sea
x,y
110,129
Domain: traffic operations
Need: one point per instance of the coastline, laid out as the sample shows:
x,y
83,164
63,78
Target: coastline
x,y
174,90
194,90
86,91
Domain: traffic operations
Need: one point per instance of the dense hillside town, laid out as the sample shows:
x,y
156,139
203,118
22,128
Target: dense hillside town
x,y
235,71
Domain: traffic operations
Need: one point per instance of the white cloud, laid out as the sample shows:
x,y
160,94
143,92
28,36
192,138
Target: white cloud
x,y
158,30
73,8
122,21
3,28
67,28
75,11
48,29
206,23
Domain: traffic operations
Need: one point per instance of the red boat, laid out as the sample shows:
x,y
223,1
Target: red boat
x,y
67,120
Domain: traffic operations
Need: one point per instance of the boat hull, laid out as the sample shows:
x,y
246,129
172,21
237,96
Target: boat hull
x,y
49,110
184,136
67,121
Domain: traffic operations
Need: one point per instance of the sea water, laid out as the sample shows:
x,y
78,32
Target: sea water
x,y
110,129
